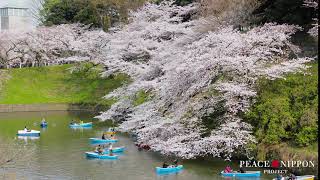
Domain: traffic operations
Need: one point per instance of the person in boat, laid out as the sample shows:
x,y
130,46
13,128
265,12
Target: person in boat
x,y
111,129
175,163
96,149
146,147
111,136
72,122
110,146
25,128
165,165
103,136
99,149
292,177
43,121
241,170
228,169
110,152
279,177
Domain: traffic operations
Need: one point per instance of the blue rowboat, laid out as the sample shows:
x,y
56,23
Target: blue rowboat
x,y
115,150
100,156
28,133
89,124
238,174
44,124
161,170
102,141
305,177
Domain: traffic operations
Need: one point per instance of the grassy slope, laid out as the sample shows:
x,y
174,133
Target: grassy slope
x,y
56,84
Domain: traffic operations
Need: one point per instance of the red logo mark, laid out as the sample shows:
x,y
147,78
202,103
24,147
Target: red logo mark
x,y
275,164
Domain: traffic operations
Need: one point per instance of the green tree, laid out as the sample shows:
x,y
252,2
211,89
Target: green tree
x,y
97,13
285,11
286,109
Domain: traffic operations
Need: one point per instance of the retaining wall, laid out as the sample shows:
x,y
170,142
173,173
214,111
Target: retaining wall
x,y
44,107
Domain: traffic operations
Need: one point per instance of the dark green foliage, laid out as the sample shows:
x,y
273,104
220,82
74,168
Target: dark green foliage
x,y
285,11
88,15
69,11
286,109
97,13
214,119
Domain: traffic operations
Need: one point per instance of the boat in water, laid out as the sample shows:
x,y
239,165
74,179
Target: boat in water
x,y
169,169
85,125
305,177
102,141
100,156
115,150
28,133
239,174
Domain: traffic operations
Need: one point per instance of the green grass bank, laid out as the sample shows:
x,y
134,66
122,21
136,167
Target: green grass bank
x,y
56,84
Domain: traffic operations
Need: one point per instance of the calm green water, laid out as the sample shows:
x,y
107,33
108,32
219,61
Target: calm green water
x,y
60,151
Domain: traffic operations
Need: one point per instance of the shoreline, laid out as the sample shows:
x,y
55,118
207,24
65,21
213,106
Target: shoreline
x,y
8,108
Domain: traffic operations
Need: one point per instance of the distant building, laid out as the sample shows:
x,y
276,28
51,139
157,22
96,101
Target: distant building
x,y
15,18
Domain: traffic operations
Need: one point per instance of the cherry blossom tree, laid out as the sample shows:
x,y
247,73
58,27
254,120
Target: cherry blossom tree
x,y
188,72
50,45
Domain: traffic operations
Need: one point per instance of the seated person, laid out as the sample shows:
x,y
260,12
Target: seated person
x,y
279,177
103,136
228,169
165,165
292,177
100,150
175,162
96,149
26,129
241,170
110,152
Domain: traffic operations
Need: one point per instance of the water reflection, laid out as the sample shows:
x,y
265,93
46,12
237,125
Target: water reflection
x,y
28,138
